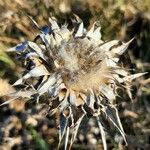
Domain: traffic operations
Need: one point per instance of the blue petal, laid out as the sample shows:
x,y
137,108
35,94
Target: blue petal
x,y
22,46
45,29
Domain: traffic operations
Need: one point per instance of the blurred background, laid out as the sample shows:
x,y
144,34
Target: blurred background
x,y
23,125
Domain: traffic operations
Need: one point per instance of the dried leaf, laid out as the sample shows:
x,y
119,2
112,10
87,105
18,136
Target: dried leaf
x,y
90,32
46,84
121,49
31,54
15,95
37,49
8,101
35,72
54,24
62,127
96,34
75,130
108,92
106,46
72,98
67,137
102,133
34,22
112,114
134,76
80,31
47,39
64,104
90,100
19,48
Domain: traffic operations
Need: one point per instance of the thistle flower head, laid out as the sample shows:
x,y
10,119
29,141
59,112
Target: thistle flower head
x,y
78,71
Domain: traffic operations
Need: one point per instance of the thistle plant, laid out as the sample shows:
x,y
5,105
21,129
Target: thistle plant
x,y
77,73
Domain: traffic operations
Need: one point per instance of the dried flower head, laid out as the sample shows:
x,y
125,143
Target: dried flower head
x,y
77,72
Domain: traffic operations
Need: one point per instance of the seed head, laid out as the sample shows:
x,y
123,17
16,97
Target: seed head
x,y
78,72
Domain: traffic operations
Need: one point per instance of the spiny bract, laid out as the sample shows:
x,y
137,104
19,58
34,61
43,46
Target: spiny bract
x,y
79,74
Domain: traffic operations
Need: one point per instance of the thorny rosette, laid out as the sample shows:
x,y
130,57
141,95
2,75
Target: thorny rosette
x,y
78,73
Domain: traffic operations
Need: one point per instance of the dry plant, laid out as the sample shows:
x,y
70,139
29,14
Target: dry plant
x,y
77,74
